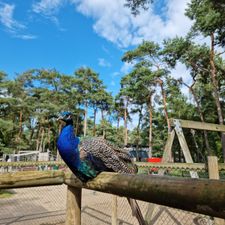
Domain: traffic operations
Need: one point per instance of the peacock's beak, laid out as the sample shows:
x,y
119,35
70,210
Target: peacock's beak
x,y
59,118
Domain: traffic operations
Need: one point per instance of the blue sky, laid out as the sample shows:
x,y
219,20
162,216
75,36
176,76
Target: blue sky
x,y
68,34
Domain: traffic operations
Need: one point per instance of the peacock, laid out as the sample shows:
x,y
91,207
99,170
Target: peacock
x,y
91,156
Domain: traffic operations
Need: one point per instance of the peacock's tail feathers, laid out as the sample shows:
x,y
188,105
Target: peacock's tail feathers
x,y
113,157
87,169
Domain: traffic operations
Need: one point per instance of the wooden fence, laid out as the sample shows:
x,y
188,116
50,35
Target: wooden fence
x,y
197,195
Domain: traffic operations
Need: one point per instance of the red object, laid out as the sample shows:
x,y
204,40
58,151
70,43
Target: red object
x,y
154,160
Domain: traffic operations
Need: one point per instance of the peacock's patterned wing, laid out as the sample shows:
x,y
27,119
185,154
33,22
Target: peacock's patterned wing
x,y
113,157
122,154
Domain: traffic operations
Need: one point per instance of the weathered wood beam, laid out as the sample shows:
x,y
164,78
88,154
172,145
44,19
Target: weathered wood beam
x,y
199,125
31,179
32,163
190,166
196,195
139,164
214,174
73,208
167,153
185,166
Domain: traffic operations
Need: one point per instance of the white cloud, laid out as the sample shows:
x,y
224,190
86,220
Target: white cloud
x,y
26,36
115,74
115,22
126,68
102,62
105,50
6,17
180,71
14,27
47,7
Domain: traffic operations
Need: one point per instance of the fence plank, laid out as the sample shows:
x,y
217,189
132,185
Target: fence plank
x,y
199,125
188,166
167,154
213,167
114,210
184,146
73,209
185,166
31,179
32,163
214,174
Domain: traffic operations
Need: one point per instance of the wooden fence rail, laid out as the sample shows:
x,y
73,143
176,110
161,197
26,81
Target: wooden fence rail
x,y
199,125
196,195
32,163
186,166
31,179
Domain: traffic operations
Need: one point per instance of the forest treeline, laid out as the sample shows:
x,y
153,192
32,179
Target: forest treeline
x,y
149,93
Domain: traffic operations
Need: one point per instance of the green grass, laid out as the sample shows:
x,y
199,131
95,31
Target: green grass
x,y
142,170
5,194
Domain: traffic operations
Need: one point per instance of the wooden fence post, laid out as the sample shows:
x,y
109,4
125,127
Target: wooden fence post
x,y
184,146
114,210
214,174
73,210
213,168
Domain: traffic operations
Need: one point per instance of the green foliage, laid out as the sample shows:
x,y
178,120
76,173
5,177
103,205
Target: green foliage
x,y
208,18
30,102
135,5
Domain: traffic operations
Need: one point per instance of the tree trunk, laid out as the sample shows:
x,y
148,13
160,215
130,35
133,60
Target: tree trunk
x,y
38,138
150,126
216,96
102,113
49,136
118,122
103,126
42,139
94,128
59,131
164,105
85,119
104,134
138,126
203,120
125,125
21,124
77,125
43,144
18,136
31,136
138,133
198,152
209,151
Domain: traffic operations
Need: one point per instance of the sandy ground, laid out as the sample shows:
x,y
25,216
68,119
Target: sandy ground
x,y
47,205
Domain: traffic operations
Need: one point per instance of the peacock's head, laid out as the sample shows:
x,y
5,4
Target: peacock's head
x,y
66,117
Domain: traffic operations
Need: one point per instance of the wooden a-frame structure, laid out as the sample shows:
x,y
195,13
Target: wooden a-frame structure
x,y
167,154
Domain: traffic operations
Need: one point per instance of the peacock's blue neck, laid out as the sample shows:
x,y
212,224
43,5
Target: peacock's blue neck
x,y
68,128
68,146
